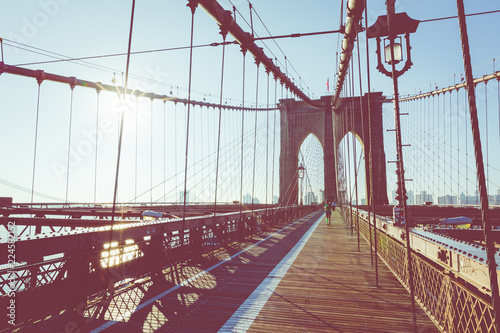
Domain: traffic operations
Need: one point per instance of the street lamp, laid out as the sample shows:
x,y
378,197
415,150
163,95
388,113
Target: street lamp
x,y
301,171
389,28
401,24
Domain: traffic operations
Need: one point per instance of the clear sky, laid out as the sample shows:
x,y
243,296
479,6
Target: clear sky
x,y
89,28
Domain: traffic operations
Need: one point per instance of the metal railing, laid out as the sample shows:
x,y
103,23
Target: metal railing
x,y
451,303
55,272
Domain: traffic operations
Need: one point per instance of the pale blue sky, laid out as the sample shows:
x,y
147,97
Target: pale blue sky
x,y
88,28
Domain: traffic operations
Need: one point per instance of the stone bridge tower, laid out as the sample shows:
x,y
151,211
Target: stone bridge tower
x,y
298,120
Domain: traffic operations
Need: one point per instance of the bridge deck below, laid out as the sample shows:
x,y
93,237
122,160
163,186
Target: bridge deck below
x,y
328,287
331,288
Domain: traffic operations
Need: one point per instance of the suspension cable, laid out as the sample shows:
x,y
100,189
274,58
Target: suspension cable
x,y
136,149
257,62
69,142
36,139
363,135
96,144
267,140
274,139
486,132
164,150
243,50
192,5
220,119
122,116
350,93
373,256
151,160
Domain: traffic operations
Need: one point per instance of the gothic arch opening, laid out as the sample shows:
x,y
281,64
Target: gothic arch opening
x,y
351,170
311,157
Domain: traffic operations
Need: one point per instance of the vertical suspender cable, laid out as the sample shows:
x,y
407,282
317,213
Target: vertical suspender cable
x,y
257,62
428,125
69,141
115,193
136,149
458,144
282,94
348,169
244,51
175,145
489,242
151,162
466,156
370,197
39,80
224,34
434,159
164,151
202,143
274,139
350,126
439,135
486,134
192,5
362,131
451,152
267,138
96,145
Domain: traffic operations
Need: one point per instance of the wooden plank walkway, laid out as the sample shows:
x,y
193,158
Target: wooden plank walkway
x,y
329,287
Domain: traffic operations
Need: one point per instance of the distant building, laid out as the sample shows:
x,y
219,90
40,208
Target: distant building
x,y
422,198
494,200
181,197
411,198
276,199
363,201
247,198
447,200
468,200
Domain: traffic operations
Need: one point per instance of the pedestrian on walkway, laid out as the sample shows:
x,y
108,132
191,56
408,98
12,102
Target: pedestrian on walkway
x,y
328,210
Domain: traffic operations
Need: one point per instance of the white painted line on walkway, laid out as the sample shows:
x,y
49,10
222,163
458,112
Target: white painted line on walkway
x,y
241,320
186,282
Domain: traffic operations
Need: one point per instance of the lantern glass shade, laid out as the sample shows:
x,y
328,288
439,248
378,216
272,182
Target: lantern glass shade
x,y
398,55
301,171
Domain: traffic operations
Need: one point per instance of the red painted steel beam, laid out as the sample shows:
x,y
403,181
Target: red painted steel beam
x,y
225,20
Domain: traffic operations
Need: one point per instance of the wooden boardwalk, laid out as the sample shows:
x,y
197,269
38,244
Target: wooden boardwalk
x,y
279,282
331,288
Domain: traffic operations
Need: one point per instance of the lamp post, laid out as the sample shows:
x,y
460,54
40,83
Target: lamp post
x,y
301,171
390,27
388,30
